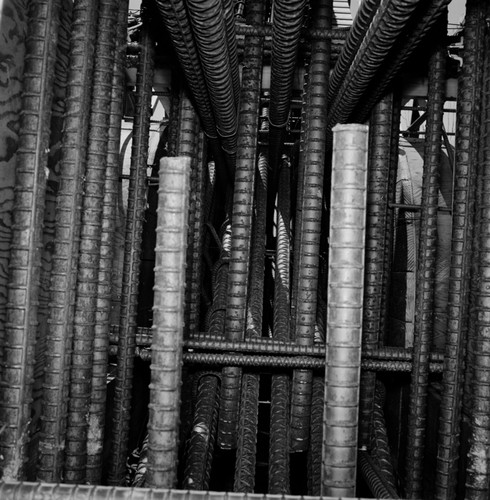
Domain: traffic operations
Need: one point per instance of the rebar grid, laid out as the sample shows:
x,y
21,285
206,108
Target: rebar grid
x,y
90,250
425,273
96,428
344,317
66,245
467,127
132,251
376,223
478,469
310,225
168,326
25,256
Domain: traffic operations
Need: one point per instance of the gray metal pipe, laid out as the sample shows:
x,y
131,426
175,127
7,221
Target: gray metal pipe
x,y
344,316
168,321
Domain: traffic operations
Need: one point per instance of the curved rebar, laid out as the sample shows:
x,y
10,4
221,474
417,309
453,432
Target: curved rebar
x,y
344,317
425,274
25,256
132,250
314,157
385,28
89,250
65,257
280,385
374,477
478,469
168,322
231,42
378,173
241,229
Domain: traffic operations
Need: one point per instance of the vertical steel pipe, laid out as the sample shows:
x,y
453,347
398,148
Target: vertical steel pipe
x,y
378,172
425,274
467,127
344,315
168,318
314,157
25,256
478,469
241,229
132,250
96,426
65,257
280,385
90,245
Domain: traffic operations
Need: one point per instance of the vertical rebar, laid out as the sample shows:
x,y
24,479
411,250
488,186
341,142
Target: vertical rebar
x,y
314,156
280,385
168,322
132,250
467,128
316,436
344,316
425,274
89,251
241,229
96,425
478,469
65,258
25,255
376,223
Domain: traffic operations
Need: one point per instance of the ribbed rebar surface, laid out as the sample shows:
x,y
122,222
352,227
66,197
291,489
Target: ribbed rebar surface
x,y
344,316
467,128
478,468
168,322
313,156
425,273
131,266
25,256
89,251
66,244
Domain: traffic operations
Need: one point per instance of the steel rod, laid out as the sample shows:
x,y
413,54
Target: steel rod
x,y
65,257
344,316
90,250
314,158
425,273
23,290
461,254
168,322
132,251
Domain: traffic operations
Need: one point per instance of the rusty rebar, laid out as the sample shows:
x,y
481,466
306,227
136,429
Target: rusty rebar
x,y
25,257
425,273
132,250
65,258
168,322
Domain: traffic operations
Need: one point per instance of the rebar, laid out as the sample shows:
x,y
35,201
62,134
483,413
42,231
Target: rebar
x,y
66,244
316,436
310,225
25,257
90,251
168,322
478,469
344,316
461,254
132,250
425,273
374,477
378,172
96,428
241,230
